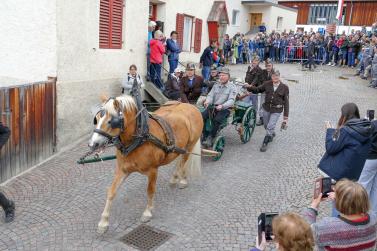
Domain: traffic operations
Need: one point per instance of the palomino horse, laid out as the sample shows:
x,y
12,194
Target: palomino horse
x,y
186,123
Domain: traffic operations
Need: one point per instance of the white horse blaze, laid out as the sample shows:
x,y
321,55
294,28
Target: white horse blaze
x,y
97,138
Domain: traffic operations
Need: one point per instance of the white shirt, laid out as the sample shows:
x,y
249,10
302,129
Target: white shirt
x,y
276,87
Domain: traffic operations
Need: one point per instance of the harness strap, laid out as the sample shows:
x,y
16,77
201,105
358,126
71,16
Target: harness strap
x,y
142,130
100,132
169,136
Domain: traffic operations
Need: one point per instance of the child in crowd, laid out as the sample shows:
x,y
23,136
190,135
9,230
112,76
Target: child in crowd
x,y
129,80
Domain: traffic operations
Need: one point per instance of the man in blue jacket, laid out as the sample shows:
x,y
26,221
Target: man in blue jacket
x,y
173,50
6,204
206,60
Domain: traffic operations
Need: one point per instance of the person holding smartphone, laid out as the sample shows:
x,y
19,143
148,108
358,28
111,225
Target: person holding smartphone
x,y
5,203
347,145
290,233
353,229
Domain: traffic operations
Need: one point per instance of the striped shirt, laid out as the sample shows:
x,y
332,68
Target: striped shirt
x,y
340,234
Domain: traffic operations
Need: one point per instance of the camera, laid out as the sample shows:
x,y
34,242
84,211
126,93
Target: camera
x,y
370,115
322,185
265,225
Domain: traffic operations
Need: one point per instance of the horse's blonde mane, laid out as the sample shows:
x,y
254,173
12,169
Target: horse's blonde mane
x,y
127,103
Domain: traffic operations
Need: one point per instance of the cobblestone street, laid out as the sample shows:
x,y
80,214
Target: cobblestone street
x,y
58,204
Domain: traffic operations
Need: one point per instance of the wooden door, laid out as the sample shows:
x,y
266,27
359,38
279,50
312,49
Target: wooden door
x,y
255,19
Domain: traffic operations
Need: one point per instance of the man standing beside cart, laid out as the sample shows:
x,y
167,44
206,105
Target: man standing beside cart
x,y
254,76
218,102
276,101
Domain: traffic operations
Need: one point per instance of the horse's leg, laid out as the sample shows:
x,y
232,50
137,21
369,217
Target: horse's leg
x,y
152,178
175,177
182,174
111,192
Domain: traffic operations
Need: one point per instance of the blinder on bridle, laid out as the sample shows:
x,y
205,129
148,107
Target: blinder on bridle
x,y
116,122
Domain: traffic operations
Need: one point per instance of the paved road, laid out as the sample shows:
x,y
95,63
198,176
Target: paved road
x,y
59,203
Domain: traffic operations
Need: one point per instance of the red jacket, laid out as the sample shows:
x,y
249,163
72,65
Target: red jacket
x,y
157,51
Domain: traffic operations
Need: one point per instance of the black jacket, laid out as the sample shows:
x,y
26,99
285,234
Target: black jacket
x,y
373,149
207,59
265,76
254,76
275,101
4,134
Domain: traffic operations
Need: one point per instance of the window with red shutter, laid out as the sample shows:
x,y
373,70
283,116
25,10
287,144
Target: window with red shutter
x,y
179,28
110,24
198,35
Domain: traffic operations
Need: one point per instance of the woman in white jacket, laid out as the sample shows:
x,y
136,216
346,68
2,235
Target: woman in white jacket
x,y
129,80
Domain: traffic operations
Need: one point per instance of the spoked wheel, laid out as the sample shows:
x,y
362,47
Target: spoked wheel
x,y
218,146
248,124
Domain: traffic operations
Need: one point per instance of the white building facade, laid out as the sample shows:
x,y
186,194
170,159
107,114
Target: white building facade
x,y
64,39
246,16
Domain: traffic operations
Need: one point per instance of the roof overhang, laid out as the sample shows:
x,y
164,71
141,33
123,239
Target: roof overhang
x,y
218,13
266,3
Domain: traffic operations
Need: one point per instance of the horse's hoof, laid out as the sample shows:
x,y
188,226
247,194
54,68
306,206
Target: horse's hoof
x,y
102,229
145,219
182,184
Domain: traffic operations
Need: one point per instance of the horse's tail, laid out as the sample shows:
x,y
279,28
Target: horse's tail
x,y
194,163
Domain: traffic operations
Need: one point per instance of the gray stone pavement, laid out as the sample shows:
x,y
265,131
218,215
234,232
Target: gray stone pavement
x,y
59,203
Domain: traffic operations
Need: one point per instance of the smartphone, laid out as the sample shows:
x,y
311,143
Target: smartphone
x,y
322,185
265,225
370,115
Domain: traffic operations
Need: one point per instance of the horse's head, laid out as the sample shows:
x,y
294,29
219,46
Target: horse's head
x,y
110,121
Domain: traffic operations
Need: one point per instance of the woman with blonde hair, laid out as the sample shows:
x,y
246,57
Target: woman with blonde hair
x,y
291,233
353,228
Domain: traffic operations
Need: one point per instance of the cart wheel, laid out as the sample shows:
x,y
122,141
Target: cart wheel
x,y
248,124
218,146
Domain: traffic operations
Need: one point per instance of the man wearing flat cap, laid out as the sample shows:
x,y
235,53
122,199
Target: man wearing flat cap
x,y
276,101
221,97
191,85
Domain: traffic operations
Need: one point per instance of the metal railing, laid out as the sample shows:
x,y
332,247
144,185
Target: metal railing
x,y
301,54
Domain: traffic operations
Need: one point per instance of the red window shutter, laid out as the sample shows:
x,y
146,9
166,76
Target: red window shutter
x,y
116,24
198,35
110,24
179,28
104,24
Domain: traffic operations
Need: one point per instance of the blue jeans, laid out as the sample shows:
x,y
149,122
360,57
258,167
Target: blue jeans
x,y
273,54
155,71
282,55
206,72
261,54
344,54
148,65
173,64
368,179
351,58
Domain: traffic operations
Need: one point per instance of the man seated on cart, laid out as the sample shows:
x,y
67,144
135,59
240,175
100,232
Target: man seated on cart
x,y
218,103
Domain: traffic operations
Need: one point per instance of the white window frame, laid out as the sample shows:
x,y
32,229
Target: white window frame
x,y
188,26
235,17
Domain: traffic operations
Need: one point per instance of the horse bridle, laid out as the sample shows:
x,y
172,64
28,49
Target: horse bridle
x,y
116,122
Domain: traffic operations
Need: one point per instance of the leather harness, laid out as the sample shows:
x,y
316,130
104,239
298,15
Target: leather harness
x,y
142,130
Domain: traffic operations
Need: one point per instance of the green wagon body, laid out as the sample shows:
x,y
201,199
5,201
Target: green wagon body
x,y
243,115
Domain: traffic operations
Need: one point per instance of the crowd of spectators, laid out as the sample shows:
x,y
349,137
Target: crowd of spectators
x,y
351,145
